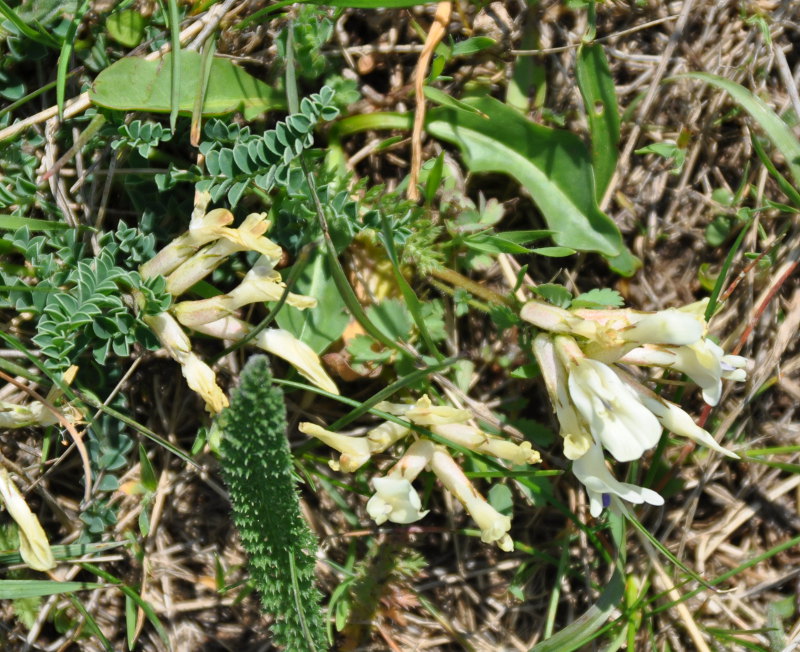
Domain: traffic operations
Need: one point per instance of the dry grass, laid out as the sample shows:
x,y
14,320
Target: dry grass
x,y
719,514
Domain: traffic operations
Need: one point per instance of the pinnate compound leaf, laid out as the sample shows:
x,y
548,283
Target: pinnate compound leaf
x,y
553,165
135,84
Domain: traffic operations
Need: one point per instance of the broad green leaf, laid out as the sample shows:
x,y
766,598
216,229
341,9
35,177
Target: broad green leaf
x,y
391,316
553,165
778,131
135,84
319,326
600,100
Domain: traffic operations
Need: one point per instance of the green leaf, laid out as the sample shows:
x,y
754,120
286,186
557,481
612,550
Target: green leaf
x,y
598,298
135,84
558,295
147,475
440,97
361,348
126,27
13,589
718,230
42,36
14,222
471,46
778,131
668,151
600,101
554,252
553,165
391,316
319,326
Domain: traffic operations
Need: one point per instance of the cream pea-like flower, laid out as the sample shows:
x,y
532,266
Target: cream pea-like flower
x,y
394,500
494,526
593,473
424,413
203,229
355,451
34,548
298,354
704,362
576,438
201,378
613,413
475,439
197,373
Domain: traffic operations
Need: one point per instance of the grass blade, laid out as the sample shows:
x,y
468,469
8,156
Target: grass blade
x,y
66,54
175,85
778,131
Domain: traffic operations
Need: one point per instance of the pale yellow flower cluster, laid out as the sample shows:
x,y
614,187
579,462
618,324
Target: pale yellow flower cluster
x,y
395,499
599,405
190,258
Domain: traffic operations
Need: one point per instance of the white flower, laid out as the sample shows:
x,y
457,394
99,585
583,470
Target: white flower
x,y
299,354
665,327
494,526
34,413
33,544
615,416
203,311
415,459
704,362
557,320
263,283
394,500
576,439
354,451
678,421
591,470
170,334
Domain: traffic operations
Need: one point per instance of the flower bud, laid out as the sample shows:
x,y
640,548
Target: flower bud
x,y
34,548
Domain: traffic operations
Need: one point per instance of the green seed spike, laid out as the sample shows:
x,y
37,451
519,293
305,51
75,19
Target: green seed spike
x,y
257,467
